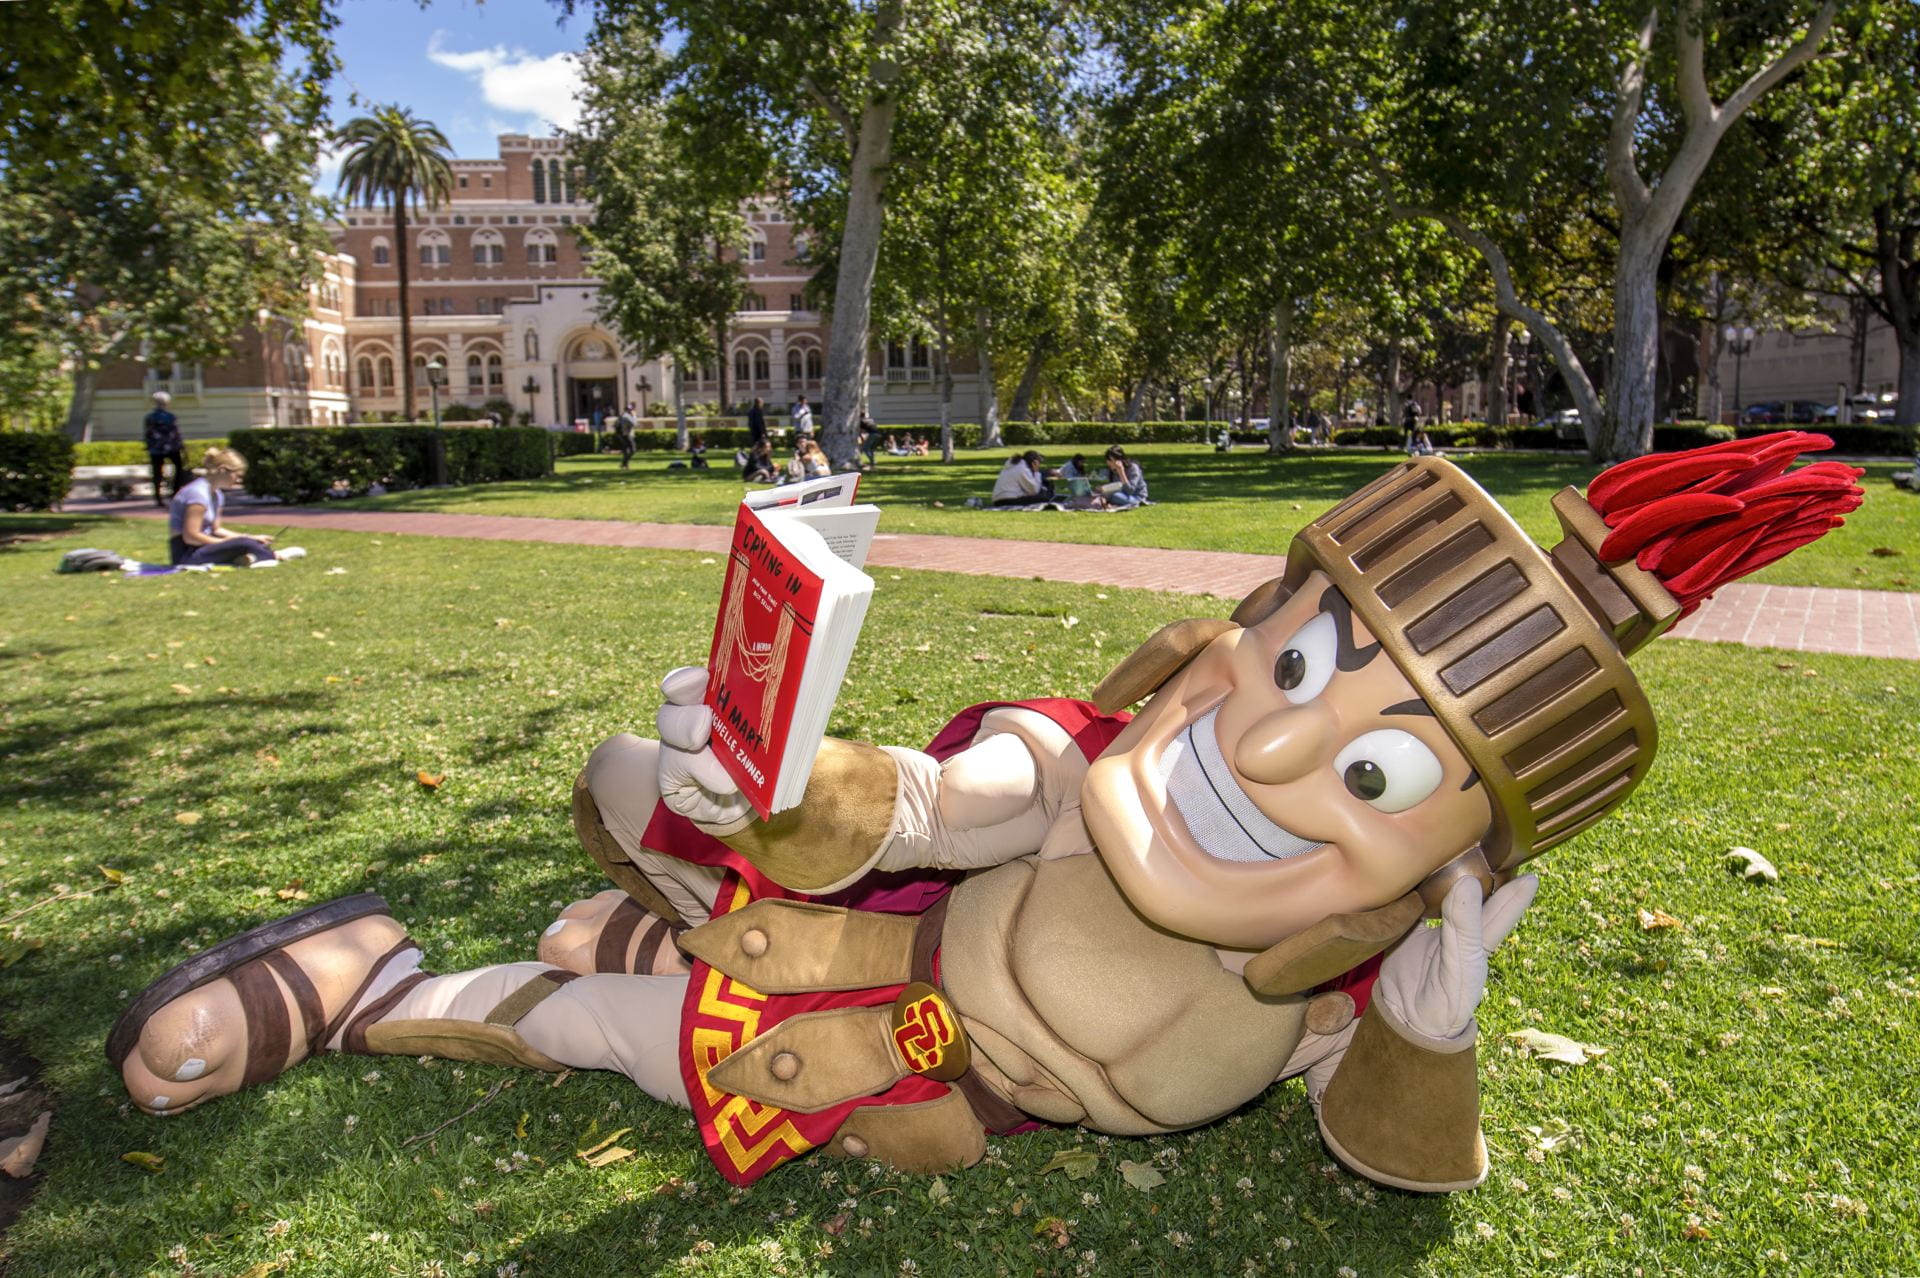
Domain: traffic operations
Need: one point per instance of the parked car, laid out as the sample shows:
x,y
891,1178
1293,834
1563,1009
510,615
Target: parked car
x,y
1781,412
1565,426
1867,409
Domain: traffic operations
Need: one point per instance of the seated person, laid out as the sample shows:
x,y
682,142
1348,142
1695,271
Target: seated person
x,y
757,465
919,446
1421,446
193,520
1126,485
1020,482
698,448
895,448
1223,442
809,462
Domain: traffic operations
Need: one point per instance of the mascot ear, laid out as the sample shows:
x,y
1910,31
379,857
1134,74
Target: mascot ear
x,y
1155,661
1264,600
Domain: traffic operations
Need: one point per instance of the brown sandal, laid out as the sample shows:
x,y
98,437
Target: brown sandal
x,y
251,960
610,949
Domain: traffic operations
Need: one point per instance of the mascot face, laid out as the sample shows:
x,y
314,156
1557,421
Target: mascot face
x,y
1286,773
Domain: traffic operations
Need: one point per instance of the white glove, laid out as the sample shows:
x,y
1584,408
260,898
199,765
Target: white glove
x,y
691,779
1432,981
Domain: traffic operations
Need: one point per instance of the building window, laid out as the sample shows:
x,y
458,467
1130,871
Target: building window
x,y
382,253
386,373
436,249
742,367
753,302
463,182
762,369
532,345
757,250
542,247
813,363
539,182
794,365
473,374
796,302
897,358
299,375
364,369
487,182
496,373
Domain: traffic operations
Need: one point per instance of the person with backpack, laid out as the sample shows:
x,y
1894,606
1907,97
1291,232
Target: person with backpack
x,y
623,437
164,445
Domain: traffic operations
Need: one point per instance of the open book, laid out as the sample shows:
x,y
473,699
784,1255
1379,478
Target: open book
x,y
792,607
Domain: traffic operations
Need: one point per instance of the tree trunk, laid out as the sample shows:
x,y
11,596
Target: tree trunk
x,y
86,380
943,353
1391,385
1136,402
989,395
720,342
406,313
679,408
1022,405
1909,406
1279,377
859,251
1627,420
1497,388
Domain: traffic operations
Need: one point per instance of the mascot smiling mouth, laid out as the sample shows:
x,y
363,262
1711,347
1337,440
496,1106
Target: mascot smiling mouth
x,y
1222,817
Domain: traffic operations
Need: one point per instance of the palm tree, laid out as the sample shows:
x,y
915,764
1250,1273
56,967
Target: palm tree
x,y
400,159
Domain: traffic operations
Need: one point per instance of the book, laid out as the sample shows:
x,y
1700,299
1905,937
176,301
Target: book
x,y
791,610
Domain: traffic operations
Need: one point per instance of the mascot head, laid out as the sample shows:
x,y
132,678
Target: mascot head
x,y
1425,693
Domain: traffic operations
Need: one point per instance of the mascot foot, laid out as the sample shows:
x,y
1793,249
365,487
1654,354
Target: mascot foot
x,y
611,933
252,1006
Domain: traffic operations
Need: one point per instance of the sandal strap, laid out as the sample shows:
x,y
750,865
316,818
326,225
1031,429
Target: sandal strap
x,y
610,951
660,936
404,944
355,1039
313,1017
269,1031
510,1010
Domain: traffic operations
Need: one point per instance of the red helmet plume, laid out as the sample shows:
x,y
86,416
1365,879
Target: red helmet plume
x,y
1702,518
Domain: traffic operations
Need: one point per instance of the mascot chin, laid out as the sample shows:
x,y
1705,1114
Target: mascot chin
x,y
1059,912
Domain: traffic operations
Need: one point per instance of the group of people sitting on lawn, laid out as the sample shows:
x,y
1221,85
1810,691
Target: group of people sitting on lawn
x,y
758,465
1118,484
911,446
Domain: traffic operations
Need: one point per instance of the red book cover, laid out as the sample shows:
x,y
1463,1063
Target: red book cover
x,y
767,613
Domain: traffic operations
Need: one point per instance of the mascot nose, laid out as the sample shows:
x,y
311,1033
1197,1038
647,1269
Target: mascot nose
x,y
1285,745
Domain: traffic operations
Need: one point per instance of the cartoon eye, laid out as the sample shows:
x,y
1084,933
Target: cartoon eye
x,y
1306,663
1389,769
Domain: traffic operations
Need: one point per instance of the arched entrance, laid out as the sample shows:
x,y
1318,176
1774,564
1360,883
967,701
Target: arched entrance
x,y
592,377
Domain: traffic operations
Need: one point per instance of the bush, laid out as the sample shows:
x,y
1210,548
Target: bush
x,y
36,469
1674,437
462,413
132,452
1889,441
307,463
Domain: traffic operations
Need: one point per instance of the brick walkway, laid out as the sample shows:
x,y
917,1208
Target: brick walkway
x,y
1864,623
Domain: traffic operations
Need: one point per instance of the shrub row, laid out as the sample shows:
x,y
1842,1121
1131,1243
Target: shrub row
x,y
35,469
307,463
1890,441
132,452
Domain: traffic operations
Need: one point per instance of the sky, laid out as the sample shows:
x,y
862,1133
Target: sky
x,y
476,70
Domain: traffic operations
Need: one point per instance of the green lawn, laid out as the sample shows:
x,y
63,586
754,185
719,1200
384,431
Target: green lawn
x,y
1242,501
1753,1114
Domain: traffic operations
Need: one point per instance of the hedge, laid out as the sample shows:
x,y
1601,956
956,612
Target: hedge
x,y
131,452
1891,441
36,467
307,463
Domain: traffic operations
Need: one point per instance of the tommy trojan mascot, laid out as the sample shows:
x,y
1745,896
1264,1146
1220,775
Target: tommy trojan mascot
x,y
1058,913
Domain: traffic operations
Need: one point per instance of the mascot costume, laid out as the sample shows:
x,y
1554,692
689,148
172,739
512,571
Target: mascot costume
x,y
1058,913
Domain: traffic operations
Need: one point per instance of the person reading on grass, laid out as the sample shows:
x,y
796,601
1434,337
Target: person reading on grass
x,y
1020,482
193,520
1125,485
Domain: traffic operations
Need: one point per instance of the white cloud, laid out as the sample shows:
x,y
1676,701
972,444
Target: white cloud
x,y
516,81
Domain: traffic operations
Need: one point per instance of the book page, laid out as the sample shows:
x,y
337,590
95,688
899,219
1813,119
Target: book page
x,y
847,530
830,490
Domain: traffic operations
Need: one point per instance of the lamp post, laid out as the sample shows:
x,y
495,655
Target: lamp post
x,y
532,388
1739,341
1207,412
436,373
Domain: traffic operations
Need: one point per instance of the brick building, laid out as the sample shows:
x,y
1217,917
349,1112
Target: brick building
x,y
501,295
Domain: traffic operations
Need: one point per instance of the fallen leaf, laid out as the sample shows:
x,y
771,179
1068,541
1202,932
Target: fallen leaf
x,y
267,756
144,1161
837,1225
375,867
1557,1047
1695,1230
428,779
187,818
1752,865
18,1155
1786,665
607,1157
1056,1229
1078,1164
1658,920
291,894
1554,1133
938,1193
520,1128
1883,552
1141,1175
13,949
261,1270
111,875
319,634
182,689
591,1150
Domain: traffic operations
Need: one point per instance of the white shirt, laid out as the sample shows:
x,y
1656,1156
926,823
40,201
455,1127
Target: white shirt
x,y
1017,479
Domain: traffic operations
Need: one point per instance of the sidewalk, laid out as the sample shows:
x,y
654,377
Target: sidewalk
x,y
1861,623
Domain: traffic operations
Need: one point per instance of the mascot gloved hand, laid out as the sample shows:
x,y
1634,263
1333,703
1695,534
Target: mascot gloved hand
x,y
1432,981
